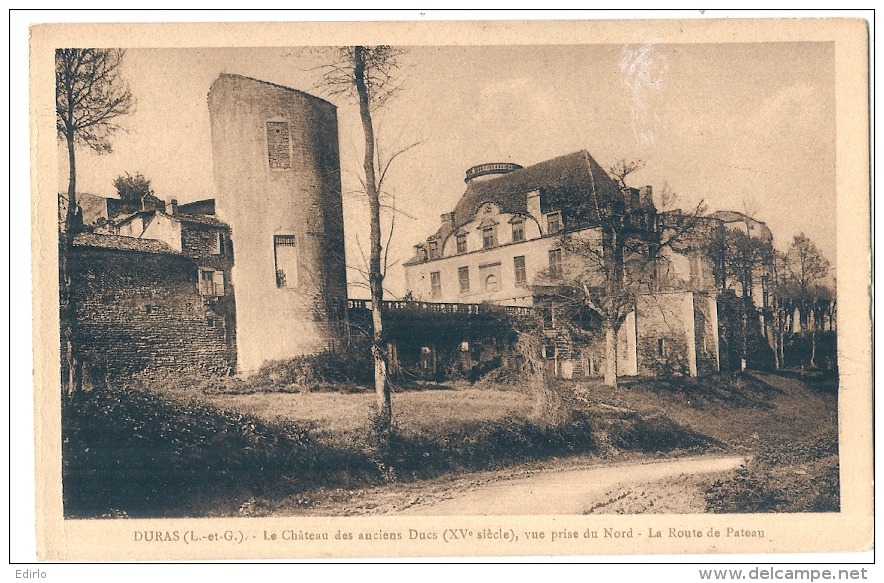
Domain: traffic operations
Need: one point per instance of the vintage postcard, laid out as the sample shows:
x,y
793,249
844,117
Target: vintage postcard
x,y
424,289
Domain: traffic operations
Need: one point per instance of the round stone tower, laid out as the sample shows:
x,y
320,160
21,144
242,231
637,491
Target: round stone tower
x,y
278,180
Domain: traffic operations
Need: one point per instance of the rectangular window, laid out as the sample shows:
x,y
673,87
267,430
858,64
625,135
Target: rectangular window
x,y
553,223
461,243
463,278
518,231
519,270
661,347
211,282
278,153
210,322
555,263
218,243
489,238
285,256
435,285
434,249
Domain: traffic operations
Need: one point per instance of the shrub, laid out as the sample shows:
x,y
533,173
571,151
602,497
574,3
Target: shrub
x,y
748,490
483,445
632,432
316,371
141,454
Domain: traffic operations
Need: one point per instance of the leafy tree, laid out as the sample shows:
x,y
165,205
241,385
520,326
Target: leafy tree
x,y
90,96
134,189
368,74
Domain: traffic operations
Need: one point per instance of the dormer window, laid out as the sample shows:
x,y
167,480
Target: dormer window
x,y
554,223
489,238
461,243
433,249
518,230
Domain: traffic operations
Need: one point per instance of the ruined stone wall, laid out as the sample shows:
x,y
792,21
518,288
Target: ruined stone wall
x,y
142,311
666,337
706,333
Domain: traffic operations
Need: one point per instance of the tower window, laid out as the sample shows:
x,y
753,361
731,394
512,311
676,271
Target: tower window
x,y
278,153
211,282
285,257
217,243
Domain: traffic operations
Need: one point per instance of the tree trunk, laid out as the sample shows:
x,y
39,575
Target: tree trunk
x,y
813,346
68,312
610,356
744,321
777,337
615,274
375,276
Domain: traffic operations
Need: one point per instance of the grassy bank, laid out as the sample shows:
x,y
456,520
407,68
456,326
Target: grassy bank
x,y
202,450
144,453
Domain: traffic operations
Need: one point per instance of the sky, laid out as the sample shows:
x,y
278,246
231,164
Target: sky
x,y
737,126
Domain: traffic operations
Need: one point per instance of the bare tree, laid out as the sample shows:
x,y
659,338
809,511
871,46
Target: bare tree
x,y
609,270
90,95
807,268
668,198
623,168
741,261
368,74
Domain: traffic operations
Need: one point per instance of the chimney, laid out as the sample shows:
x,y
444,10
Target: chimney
x,y
532,202
174,205
448,219
631,197
646,197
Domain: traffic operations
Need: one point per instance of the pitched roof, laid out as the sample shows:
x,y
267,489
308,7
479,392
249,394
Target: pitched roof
x,y
195,219
121,243
564,181
198,219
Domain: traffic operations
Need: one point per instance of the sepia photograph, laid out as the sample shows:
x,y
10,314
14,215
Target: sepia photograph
x,y
560,291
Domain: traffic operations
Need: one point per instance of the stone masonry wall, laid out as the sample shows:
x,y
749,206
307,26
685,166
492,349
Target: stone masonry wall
x,y
141,311
666,336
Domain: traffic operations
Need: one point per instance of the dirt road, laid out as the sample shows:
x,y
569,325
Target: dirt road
x,y
657,486
567,486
